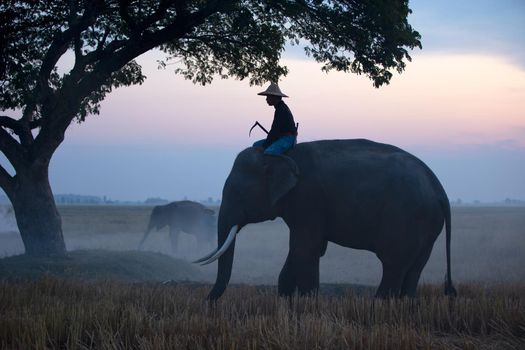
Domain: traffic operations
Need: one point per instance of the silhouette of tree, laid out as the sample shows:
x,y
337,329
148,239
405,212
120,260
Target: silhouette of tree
x,y
209,38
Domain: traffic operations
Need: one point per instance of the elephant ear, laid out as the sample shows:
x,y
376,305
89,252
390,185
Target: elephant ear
x,y
281,175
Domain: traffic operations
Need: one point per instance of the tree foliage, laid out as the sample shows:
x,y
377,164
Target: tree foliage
x,y
243,39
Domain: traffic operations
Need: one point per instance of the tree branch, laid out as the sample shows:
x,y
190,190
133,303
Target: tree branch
x,y
124,14
7,182
95,56
20,128
102,41
13,151
52,132
57,49
10,123
157,15
134,47
62,41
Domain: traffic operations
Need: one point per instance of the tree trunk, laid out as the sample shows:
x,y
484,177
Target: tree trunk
x,y
38,220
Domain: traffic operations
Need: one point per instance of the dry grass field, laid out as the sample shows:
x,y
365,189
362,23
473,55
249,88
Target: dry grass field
x,y
488,267
63,314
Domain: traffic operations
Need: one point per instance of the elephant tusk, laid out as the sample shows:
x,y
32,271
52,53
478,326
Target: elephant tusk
x,y
206,257
225,246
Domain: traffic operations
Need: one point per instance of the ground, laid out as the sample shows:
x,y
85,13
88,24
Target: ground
x,y
106,294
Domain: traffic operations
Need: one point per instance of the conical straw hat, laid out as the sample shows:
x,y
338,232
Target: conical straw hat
x,y
273,90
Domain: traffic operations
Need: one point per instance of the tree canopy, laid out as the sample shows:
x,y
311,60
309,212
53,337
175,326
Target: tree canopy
x,y
243,39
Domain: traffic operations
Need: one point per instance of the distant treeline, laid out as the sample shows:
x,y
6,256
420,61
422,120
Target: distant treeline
x,y
78,199
65,199
506,202
83,199
87,199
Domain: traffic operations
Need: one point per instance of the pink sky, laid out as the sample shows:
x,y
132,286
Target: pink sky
x,y
439,100
463,114
459,106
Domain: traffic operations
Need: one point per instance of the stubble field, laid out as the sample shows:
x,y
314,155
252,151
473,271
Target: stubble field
x,y
54,312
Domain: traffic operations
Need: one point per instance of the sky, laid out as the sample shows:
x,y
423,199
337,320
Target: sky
x,y
459,106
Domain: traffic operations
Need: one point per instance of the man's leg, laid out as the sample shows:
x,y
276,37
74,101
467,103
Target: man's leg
x,y
281,145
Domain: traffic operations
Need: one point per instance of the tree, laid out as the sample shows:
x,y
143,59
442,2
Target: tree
x,y
242,39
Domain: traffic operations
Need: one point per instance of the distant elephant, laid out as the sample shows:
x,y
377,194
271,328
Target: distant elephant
x,y
355,193
187,216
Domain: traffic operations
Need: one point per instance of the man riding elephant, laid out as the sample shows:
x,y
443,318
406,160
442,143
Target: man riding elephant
x,y
283,133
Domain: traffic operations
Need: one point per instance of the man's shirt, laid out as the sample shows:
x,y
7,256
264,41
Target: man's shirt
x,y
283,124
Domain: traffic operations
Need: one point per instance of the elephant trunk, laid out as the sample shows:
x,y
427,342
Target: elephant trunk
x,y
146,234
224,270
225,229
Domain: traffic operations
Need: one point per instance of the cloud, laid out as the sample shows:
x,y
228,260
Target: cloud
x,y
485,26
485,172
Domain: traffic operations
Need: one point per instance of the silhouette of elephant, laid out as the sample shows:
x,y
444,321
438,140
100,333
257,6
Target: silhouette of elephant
x,y
186,216
355,193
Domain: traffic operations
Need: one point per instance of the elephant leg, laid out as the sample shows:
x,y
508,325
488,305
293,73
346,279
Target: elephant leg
x,y
307,275
304,259
392,281
414,272
299,274
174,238
301,269
287,284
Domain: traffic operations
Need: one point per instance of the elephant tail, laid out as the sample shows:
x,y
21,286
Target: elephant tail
x,y
449,287
445,205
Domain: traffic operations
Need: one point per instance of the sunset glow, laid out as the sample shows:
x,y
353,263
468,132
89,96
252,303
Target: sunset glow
x,y
438,100
459,106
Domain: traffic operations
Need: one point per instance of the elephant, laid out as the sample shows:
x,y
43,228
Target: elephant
x,y
355,193
187,216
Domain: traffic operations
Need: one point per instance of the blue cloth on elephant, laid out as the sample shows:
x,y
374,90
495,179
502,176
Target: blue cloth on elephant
x,y
283,133
280,146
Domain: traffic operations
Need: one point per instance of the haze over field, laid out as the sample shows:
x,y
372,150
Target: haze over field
x,y
487,246
459,106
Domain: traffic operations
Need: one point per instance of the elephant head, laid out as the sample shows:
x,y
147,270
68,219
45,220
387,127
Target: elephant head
x,y
252,193
160,217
